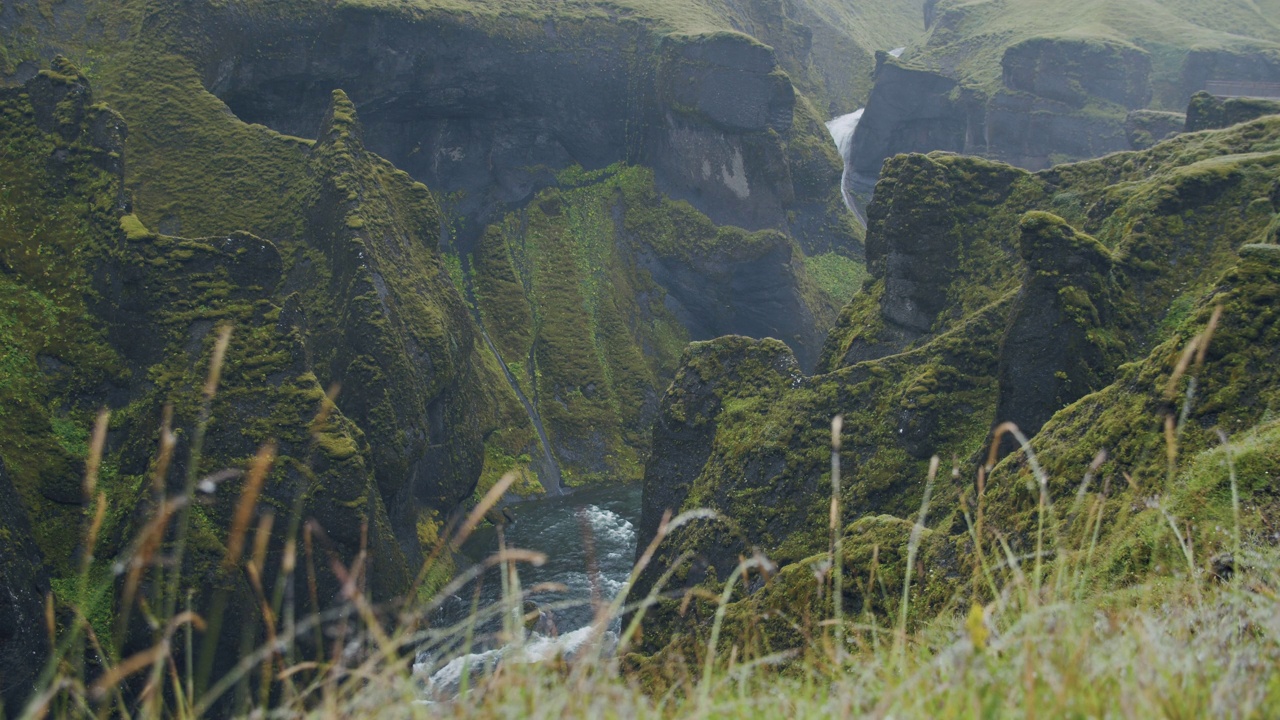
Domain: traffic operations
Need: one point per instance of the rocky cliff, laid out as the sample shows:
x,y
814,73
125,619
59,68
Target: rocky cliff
x,y
1060,300
1038,83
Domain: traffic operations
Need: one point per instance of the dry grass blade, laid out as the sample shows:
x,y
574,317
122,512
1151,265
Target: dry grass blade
x,y
215,364
94,462
258,470
1180,368
477,513
111,679
167,443
1207,336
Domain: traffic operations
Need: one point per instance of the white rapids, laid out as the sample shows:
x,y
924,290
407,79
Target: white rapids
x,y
589,538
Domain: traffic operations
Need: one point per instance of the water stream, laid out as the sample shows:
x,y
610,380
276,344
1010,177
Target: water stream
x,y
842,129
553,467
589,538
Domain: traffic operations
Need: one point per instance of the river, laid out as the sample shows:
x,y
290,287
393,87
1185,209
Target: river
x,y
591,527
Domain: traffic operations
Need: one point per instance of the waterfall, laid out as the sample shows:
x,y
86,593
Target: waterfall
x,y
841,130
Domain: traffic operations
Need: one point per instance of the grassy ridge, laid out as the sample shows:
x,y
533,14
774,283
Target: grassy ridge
x,y
969,37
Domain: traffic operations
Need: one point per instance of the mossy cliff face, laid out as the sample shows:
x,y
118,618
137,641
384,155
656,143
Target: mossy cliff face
x,y
591,292
403,348
1061,300
1034,83
490,108
344,289
1232,388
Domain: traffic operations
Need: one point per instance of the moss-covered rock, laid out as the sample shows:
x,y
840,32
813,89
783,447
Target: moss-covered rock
x,y
591,292
1207,112
1062,340
101,311
1062,299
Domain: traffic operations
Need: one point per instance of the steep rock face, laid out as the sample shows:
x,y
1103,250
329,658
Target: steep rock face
x,y
1061,341
755,288
404,348
913,110
100,311
1039,116
723,102
591,291
1071,335
487,110
481,112
713,376
24,641
1073,71
924,210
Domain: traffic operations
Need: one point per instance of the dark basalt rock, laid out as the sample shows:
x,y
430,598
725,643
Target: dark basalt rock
x,y
733,293
913,110
1073,71
727,79
913,231
1051,354
712,374
489,113
24,584
1040,114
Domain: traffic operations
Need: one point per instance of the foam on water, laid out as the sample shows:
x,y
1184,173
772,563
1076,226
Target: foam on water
x,y
589,539
446,681
610,525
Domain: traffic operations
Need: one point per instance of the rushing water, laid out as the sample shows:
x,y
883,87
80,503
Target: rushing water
x,y
589,538
841,130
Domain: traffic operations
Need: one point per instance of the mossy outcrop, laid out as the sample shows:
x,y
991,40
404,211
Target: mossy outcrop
x,y
1061,342
1061,300
1207,112
591,292
100,311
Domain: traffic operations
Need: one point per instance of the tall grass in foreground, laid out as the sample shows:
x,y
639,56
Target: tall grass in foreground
x,y
1185,646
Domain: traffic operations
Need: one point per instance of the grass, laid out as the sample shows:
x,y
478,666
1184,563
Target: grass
x,y
836,275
